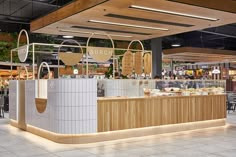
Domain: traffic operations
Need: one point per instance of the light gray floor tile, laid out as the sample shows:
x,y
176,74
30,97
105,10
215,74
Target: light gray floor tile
x,y
213,148
74,153
120,154
46,155
143,151
125,146
189,153
2,149
29,152
215,142
228,153
162,155
101,150
7,154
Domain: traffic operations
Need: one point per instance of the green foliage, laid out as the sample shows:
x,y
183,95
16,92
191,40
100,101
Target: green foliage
x,y
6,47
109,72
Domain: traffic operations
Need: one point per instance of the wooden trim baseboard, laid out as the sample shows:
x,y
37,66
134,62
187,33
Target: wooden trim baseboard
x,y
121,134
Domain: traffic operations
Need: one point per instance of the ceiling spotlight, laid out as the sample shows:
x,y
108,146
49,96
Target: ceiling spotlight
x,y
175,45
68,36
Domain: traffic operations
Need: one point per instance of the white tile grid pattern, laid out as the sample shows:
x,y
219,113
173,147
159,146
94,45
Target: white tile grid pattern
x,y
41,120
77,106
12,99
130,88
71,107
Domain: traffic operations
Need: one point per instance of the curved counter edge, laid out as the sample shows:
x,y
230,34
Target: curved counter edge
x,y
121,134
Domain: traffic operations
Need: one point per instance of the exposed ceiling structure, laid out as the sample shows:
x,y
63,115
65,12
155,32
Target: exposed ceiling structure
x,y
17,14
223,37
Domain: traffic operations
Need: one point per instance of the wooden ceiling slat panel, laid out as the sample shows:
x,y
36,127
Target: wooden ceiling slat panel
x,y
191,54
80,12
64,12
223,5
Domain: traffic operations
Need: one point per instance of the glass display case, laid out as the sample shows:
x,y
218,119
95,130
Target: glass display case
x,y
139,88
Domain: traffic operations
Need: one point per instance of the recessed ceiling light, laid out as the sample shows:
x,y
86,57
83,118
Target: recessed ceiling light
x,y
175,45
128,25
68,36
173,13
73,31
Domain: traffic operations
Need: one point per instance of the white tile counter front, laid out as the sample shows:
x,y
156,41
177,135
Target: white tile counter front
x,y
71,106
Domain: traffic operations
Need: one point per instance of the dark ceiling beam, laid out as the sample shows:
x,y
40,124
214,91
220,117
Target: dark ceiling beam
x,y
215,33
214,37
43,3
10,21
18,17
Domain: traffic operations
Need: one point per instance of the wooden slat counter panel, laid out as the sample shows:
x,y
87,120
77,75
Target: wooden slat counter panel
x,y
128,113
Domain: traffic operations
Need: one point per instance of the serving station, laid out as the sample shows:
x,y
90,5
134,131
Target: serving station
x,y
74,113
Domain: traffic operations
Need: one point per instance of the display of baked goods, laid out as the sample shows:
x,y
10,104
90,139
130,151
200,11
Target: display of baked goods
x,y
170,91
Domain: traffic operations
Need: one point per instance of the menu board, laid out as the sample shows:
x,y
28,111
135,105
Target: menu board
x,y
70,58
127,63
138,63
147,63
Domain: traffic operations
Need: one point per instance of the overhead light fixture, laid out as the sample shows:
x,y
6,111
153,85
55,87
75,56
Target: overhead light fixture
x,y
176,45
128,25
173,13
74,31
68,36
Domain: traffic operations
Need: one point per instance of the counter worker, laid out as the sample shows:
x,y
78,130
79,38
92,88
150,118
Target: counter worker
x,y
159,82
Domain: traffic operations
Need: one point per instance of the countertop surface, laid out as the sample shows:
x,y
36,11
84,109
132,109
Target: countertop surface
x,y
151,97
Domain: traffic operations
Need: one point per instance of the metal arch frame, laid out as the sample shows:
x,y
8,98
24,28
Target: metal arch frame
x,y
27,47
44,44
138,50
113,55
138,42
44,63
61,45
33,52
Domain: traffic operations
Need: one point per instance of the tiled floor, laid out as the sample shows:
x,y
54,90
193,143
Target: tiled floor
x,y
215,142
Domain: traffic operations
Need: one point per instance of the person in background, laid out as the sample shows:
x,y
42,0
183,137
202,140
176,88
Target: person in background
x,y
158,82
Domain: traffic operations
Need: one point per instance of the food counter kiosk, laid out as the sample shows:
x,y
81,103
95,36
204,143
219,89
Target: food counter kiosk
x,y
74,114
90,110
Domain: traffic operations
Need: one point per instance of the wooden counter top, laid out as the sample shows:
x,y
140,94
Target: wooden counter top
x,y
150,97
